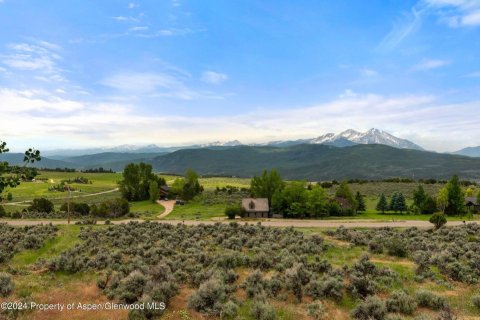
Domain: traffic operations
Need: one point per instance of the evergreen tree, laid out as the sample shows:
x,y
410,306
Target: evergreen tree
x,y
393,202
400,204
419,198
456,200
382,204
360,202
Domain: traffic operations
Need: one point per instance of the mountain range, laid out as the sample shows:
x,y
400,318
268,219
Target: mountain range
x,y
320,162
344,139
374,154
470,152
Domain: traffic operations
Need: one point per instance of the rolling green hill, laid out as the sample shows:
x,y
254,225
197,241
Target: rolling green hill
x,y
320,162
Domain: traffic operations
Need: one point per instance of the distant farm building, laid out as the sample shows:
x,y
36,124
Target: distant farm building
x,y
255,207
472,204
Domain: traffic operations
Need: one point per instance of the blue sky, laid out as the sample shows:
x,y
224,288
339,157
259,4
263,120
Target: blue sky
x,y
100,73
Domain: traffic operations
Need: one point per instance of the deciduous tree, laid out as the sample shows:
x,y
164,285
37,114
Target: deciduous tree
x,y
266,185
456,200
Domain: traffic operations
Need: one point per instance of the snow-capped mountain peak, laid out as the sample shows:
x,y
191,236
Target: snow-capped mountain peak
x,y
222,144
372,136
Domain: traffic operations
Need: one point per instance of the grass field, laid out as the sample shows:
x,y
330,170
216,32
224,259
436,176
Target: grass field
x,y
197,209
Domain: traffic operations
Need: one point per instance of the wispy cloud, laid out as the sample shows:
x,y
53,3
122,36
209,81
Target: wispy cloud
x,y
428,64
156,84
214,77
126,18
38,56
132,5
475,74
456,13
402,28
369,72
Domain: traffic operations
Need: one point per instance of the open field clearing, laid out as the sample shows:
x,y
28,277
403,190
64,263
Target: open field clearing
x,y
237,272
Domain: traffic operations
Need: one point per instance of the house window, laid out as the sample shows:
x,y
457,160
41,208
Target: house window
x,y
251,205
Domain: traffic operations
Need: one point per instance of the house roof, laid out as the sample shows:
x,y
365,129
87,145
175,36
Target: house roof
x,y
255,204
472,200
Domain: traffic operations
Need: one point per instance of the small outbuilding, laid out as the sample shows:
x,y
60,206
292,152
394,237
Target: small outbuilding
x,y
255,207
472,204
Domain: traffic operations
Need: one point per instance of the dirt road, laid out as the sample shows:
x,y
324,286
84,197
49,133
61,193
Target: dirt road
x,y
270,223
168,205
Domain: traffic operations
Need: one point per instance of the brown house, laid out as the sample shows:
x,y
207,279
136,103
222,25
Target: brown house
x,y
255,207
472,204
164,192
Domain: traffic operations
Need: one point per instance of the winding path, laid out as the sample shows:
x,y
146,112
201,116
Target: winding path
x,y
168,205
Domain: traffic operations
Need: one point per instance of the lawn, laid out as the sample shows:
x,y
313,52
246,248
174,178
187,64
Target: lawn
x,y
28,190
197,211
147,208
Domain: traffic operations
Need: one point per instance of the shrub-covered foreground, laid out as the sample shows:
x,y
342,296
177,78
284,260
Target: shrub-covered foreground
x,y
235,267
13,240
455,252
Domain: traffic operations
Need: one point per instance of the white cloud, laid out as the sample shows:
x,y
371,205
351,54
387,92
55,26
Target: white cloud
x,y
39,56
132,5
428,64
475,74
138,28
170,83
431,124
409,23
369,72
124,18
456,13
214,77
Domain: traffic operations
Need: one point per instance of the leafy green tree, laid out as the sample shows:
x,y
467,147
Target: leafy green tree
x,y
191,187
419,197
382,204
136,181
442,199
360,200
456,200
344,192
469,192
41,205
317,202
10,176
291,201
266,185
177,186
9,196
438,220
154,191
